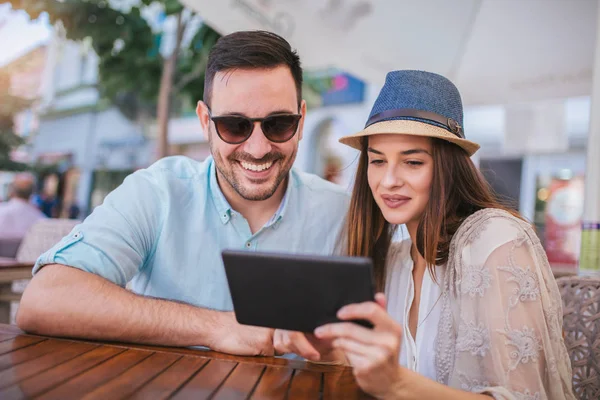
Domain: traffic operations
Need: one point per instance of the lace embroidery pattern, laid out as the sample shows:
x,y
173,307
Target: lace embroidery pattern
x,y
527,346
462,355
476,232
444,361
526,395
477,278
528,287
472,384
473,338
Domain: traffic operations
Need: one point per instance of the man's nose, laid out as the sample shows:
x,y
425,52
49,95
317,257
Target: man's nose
x,y
257,144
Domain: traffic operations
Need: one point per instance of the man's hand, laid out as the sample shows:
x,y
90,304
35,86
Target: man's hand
x,y
243,340
307,346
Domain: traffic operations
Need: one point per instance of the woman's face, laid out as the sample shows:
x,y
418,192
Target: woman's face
x,y
400,171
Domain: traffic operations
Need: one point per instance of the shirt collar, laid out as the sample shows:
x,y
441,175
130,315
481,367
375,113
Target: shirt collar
x,y
281,210
224,209
221,204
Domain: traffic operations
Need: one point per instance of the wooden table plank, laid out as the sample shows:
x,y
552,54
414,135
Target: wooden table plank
x,y
12,272
18,342
7,336
134,378
274,384
306,385
262,360
241,382
27,353
9,329
37,365
207,381
341,385
95,377
171,379
46,380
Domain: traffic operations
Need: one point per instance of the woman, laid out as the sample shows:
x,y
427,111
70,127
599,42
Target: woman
x,y
472,305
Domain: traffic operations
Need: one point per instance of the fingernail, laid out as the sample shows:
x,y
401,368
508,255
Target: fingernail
x,y
319,331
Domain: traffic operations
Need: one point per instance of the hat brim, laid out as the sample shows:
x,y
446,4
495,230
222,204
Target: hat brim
x,y
408,127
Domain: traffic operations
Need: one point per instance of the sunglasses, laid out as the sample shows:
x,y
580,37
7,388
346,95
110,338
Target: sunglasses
x,y
236,129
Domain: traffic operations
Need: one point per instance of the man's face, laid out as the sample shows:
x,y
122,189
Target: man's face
x,y
255,168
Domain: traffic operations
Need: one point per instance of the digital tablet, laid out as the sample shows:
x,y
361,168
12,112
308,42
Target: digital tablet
x,y
295,292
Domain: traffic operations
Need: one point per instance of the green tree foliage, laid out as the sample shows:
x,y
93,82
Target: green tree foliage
x,y
131,66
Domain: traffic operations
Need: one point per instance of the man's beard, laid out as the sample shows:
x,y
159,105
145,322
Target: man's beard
x,y
226,168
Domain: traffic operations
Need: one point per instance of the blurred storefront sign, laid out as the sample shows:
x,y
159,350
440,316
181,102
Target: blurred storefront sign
x,y
590,249
332,87
62,161
564,210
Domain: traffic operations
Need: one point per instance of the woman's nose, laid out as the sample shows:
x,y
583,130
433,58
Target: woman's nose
x,y
391,177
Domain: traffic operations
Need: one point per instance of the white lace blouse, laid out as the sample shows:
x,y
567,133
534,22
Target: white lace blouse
x,y
493,322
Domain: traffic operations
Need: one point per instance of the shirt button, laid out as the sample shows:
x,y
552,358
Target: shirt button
x,y
248,244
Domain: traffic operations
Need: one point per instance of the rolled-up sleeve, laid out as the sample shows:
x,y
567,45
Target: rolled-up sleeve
x,y
118,238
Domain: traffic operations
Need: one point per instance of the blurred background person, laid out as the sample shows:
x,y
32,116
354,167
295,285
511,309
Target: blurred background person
x,y
17,215
333,168
47,200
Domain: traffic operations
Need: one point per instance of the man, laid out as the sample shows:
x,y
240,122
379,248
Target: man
x,y
17,215
165,227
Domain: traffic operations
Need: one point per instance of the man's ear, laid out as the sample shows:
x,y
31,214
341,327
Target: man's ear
x,y
202,113
301,124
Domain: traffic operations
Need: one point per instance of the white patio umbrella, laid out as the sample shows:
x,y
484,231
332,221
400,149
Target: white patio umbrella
x,y
496,51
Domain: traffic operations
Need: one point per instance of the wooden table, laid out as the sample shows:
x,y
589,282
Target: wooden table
x,y
10,270
51,368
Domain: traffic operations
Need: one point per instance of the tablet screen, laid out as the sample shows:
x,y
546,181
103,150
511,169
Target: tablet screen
x,y
296,292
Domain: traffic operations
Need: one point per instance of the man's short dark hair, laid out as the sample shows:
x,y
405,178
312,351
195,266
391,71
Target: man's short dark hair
x,y
251,50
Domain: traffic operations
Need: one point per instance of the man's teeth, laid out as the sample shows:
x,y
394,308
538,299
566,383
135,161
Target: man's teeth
x,y
256,167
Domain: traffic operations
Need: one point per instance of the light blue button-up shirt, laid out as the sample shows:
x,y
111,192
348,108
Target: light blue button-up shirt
x,y
164,228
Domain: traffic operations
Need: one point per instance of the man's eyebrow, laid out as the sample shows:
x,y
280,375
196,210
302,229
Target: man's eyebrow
x,y
281,112
236,113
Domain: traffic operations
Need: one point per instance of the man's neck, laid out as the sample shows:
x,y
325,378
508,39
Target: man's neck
x,y
257,213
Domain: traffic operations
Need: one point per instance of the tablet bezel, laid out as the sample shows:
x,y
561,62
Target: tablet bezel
x,y
296,292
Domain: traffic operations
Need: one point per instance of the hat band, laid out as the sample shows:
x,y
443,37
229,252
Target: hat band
x,y
448,123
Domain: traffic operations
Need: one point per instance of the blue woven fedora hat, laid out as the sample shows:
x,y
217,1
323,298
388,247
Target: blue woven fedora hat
x,y
416,103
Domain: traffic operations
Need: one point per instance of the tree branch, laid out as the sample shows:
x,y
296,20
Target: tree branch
x,y
190,76
181,25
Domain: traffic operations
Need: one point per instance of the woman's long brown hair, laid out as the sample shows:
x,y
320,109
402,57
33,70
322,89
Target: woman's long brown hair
x,y
457,190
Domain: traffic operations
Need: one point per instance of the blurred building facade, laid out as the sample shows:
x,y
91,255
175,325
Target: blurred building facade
x,y
25,80
90,144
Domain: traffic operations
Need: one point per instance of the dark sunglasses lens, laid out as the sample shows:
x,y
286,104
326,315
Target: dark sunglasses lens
x,y
280,128
233,129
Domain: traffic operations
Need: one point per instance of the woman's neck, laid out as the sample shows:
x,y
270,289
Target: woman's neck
x,y
418,259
